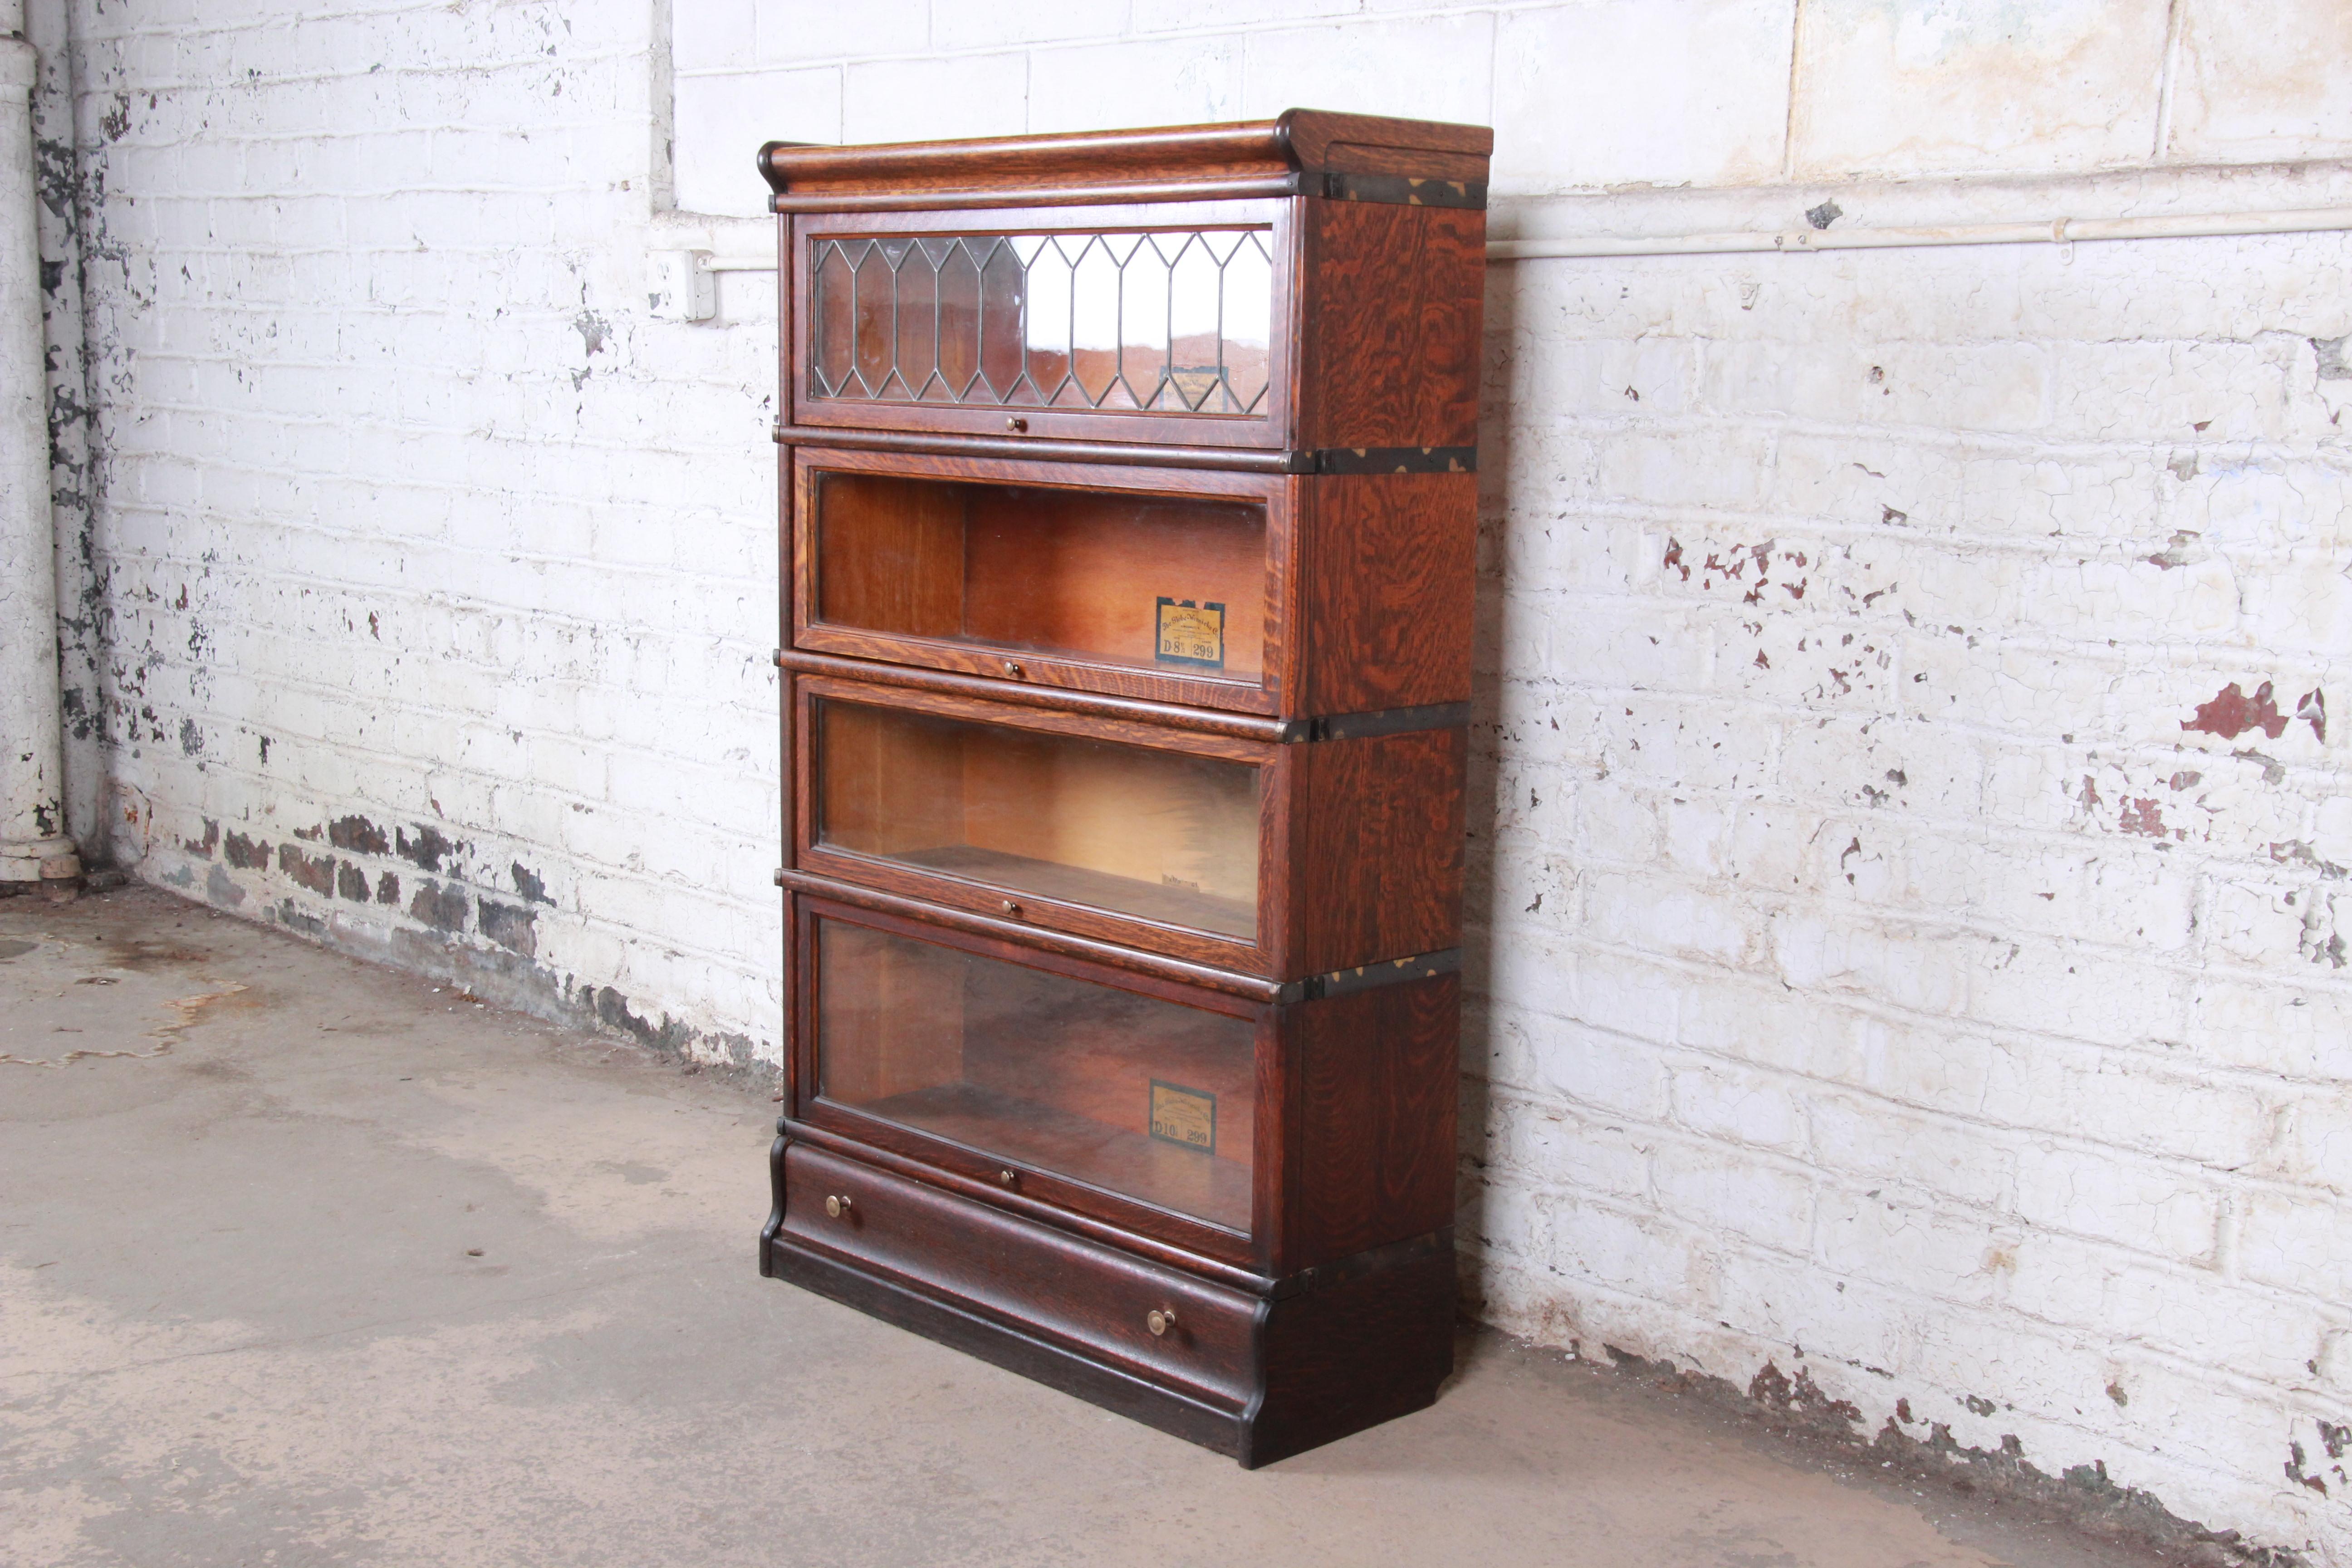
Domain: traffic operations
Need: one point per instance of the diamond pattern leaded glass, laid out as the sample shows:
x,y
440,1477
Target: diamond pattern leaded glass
x,y
1177,322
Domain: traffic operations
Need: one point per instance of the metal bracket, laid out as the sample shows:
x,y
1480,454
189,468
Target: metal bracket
x,y
1381,721
1397,460
1405,191
1371,976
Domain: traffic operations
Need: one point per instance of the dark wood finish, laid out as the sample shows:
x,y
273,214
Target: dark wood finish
x,y
1060,700
911,576
1256,1374
993,1191
1390,348
1358,842
1053,1283
1037,1175
1376,856
1349,1139
1101,805
1098,165
1117,985
1138,191
1377,1091
1353,1355
1127,454
1040,938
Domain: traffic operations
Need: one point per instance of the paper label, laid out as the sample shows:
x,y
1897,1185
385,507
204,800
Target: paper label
x,y
1186,1116
1192,633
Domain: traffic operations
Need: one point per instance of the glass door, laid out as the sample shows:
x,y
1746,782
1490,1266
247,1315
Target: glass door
x,y
1162,324
1142,835
1141,581
1065,1086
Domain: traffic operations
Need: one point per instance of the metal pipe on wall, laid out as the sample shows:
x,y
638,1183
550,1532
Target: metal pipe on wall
x,y
33,845
2058,231
1791,242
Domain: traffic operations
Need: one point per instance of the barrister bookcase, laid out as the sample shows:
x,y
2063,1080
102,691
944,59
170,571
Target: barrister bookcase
x,y
1129,500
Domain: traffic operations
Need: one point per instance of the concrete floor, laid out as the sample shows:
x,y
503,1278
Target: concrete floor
x,y
325,1266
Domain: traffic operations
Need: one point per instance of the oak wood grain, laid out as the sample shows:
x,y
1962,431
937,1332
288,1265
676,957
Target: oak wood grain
x,y
1377,857
1377,1081
1388,575
1393,299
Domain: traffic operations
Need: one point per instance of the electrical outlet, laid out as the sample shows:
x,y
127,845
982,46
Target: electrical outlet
x,y
680,287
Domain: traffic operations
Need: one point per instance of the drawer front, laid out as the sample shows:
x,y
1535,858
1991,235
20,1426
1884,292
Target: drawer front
x,y
1159,324
1097,1301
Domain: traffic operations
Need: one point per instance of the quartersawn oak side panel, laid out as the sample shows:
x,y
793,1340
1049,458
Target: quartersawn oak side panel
x,y
1393,298
1377,1095
1376,870
1390,587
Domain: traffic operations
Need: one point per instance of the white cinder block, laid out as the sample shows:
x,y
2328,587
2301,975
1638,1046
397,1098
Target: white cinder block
x,y
1105,86
2261,79
1354,67
1002,23
723,120
1685,92
936,99
1895,89
792,31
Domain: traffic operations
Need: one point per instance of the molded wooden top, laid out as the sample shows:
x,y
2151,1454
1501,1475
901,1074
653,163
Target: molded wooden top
x,y
1264,157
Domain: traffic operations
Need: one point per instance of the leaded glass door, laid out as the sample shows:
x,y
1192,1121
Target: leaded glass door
x,y
1122,323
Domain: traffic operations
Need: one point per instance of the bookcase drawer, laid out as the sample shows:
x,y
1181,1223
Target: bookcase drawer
x,y
1170,1327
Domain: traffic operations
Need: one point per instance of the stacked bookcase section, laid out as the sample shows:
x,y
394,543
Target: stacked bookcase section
x,y
1129,503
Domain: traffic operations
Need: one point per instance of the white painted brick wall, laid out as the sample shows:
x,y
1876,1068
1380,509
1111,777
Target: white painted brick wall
x,y
1872,973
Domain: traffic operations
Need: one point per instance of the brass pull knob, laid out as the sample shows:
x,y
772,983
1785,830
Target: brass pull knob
x,y
1016,423
1011,669
835,1207
1009,1178
1012,908
1159,1320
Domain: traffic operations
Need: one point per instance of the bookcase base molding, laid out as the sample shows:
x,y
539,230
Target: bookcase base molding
x,y
1258,1373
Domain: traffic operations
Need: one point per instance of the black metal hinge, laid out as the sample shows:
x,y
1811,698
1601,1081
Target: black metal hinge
x,y
1367,977
1382,722
1404,190
1397,460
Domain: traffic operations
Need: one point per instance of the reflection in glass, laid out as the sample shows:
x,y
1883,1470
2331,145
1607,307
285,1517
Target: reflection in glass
x,y
1178,321
1166,836
1127,1093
